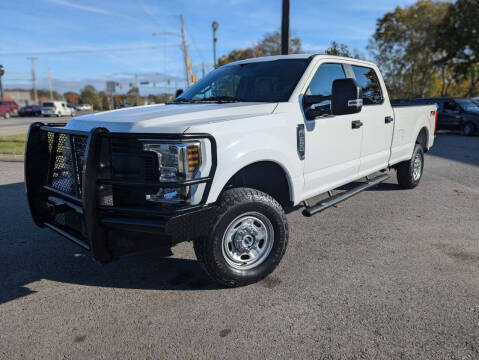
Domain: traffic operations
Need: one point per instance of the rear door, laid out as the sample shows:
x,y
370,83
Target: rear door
x,y
332,144
378,121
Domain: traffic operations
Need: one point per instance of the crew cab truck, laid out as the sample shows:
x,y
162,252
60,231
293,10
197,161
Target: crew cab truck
x,y
219,164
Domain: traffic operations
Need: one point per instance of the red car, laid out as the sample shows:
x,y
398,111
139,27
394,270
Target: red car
x,y
4,110
11,105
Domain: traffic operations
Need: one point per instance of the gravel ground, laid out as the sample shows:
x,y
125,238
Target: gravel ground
x,y
390,274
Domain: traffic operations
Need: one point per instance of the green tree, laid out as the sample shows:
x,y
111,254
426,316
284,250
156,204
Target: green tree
x,y
457,41
340,49
268,46
403,47
89,95
104,100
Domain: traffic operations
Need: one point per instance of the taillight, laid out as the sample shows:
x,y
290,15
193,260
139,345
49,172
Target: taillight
x,y
435,122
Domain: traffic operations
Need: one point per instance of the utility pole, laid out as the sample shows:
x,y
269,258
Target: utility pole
x,y
2,71
185,51
34,80
203,69
50,83
136,89
285,28
214,25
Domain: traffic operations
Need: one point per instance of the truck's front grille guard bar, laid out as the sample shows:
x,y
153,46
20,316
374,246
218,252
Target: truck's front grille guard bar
x,y
37,155
105,134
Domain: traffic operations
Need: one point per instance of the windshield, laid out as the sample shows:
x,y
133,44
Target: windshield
x,y
48,104
265,81
469,105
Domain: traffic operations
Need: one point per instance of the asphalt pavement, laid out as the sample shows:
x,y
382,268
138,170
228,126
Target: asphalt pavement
x,y
19,125
390,274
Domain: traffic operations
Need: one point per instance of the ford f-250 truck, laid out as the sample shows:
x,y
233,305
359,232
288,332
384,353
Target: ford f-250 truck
x,y
219,164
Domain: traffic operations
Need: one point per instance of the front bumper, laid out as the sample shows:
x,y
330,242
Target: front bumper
x,y
75,195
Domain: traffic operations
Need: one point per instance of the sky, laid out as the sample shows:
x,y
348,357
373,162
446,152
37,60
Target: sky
x,y
90,42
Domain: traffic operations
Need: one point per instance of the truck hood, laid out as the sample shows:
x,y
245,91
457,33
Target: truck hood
x,y
174,118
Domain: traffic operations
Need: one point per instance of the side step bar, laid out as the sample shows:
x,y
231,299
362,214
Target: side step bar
x,y
333,200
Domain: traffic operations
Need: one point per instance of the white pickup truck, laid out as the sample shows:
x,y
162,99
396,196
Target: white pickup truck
x,y
219,164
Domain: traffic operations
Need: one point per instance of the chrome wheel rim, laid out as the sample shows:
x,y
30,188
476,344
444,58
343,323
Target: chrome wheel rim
x,y
248,241
417,167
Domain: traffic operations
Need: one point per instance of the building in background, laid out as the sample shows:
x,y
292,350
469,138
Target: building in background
x,y
21,97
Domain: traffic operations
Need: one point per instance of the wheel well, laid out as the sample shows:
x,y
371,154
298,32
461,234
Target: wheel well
x,y
422,138
265,176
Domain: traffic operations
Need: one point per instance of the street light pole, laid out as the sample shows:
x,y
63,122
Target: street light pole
x,y
214,25
2,71
285,28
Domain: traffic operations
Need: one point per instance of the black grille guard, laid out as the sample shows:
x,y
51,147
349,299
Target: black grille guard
x,y
46,201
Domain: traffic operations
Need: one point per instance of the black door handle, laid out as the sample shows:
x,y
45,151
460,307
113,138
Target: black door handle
x,y
356,124
388,119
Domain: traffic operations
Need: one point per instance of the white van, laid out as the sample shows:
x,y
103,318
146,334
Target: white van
x,y
56,108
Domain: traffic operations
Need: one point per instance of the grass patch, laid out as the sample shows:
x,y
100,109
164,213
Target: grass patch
x,y
12,145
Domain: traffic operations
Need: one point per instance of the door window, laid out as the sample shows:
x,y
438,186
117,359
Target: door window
x,y
451,107
322,84
369,83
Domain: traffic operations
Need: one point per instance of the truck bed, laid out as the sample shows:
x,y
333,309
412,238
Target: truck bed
x,y
409,120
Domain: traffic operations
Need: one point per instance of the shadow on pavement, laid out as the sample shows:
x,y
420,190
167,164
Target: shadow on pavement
x,y
29,254
454,147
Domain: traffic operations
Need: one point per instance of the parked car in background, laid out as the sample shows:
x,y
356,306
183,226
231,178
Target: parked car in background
x,y
72,106
11,105
56,108
84,107
453,113
30,110
4,110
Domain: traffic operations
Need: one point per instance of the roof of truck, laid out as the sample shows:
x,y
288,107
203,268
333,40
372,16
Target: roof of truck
x,y
298,56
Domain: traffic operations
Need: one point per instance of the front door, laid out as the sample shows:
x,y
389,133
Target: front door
x,y
450,117
333,146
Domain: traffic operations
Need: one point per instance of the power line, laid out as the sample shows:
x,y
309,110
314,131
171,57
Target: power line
x,y
79,51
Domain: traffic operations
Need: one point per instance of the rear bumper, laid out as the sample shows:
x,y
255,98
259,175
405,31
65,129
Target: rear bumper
x,y
84,216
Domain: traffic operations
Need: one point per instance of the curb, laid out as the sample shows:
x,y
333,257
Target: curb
x,y
12,158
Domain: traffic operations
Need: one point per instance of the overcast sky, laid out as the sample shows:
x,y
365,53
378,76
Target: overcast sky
x,y
58,32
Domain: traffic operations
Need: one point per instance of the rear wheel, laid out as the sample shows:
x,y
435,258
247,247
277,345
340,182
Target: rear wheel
x,y
248,239
6,115
468,129
409,173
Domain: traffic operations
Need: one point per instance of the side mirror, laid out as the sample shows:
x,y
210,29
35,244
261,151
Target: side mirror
x,y
346,98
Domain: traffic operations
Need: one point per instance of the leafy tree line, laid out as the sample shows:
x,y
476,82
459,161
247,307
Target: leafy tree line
x,y
428,49
100,100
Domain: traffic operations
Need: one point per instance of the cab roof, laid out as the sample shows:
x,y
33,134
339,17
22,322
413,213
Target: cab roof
x,y
299,56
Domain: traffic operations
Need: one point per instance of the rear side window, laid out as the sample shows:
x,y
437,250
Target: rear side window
x,y
369,83
322,84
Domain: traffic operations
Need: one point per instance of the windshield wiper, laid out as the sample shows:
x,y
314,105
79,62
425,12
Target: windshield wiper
x,y
181,101
219,99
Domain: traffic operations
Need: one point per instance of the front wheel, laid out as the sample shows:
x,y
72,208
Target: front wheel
x,y
6,115
409,173
247,240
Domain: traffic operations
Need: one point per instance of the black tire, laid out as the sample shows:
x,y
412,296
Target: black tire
x,y
468,129
232,204
405,171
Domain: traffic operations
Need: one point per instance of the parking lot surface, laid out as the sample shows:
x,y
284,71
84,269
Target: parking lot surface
x,y
391,273
19,125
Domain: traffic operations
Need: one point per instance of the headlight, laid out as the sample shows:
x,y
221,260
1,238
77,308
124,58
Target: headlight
x,y
177,162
